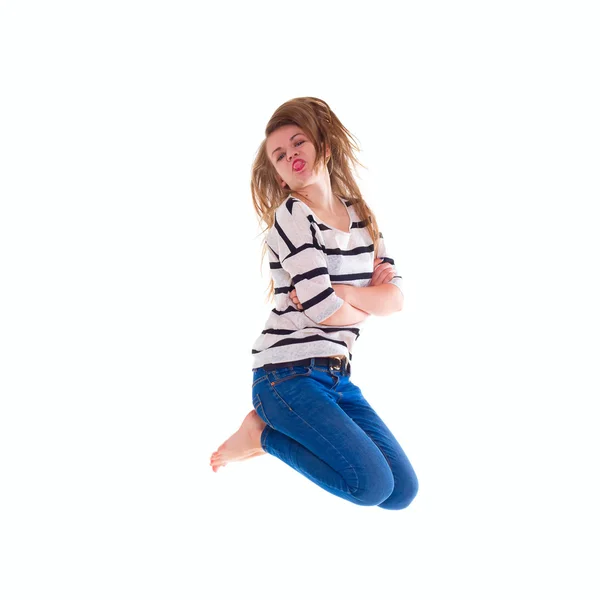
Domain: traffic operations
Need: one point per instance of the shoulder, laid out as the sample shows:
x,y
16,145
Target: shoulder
x,y
291,206
292,212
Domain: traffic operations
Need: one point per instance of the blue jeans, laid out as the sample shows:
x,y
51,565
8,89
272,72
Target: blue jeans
x,y
319,423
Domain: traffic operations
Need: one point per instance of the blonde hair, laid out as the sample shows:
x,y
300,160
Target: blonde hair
x,y
322,127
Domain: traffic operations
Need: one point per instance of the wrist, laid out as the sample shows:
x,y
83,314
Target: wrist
x,y
349,294
341,290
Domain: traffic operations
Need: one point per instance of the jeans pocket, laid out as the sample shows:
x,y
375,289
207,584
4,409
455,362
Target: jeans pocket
x,y
258,380
286,373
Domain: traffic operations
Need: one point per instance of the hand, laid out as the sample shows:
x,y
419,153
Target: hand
x,y
383,272
294,298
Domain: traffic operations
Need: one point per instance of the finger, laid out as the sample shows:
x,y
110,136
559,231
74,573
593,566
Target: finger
x,y
375,280
378,274
384,265
385,268
382,273
388,275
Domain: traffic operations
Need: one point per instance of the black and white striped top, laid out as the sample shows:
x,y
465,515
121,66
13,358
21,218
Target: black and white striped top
x,y
307,254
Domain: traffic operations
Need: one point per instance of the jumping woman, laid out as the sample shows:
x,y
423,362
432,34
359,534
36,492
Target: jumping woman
x,y
329,271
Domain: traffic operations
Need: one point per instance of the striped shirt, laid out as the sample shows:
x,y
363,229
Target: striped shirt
x,y
307,254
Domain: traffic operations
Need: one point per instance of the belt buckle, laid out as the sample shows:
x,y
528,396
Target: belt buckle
x,y
337,363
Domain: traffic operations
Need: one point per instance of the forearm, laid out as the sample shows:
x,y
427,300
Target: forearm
x,y
379,300
346,315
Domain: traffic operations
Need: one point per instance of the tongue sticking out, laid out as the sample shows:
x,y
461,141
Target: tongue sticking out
x,y
298,166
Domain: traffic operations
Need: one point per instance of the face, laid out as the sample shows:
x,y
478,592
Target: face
x,y
289,146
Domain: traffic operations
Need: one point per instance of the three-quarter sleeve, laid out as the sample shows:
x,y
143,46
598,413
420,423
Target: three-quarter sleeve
x,y
382,252
302,255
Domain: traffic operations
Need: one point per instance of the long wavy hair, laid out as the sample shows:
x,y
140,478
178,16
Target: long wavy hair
x,y
322,127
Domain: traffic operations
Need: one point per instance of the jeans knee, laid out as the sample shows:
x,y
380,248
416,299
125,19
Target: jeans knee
x,y
402,495
376,491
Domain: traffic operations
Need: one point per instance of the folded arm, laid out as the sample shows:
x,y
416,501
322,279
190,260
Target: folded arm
x,y
303,258
346,315
380,300
360,302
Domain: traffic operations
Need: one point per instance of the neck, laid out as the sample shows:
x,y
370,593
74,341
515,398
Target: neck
x,y
319,196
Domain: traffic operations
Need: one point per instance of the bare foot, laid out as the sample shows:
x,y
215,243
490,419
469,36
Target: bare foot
x,y
242,445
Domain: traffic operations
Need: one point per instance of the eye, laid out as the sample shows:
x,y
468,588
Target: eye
x,y
283,153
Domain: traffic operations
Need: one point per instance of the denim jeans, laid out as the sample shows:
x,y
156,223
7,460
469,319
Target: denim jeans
x,y
319,423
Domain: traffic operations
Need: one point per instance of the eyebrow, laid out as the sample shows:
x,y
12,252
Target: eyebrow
x,y
280,148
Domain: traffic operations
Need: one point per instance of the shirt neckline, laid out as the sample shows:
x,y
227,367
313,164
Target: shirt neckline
x,y
327,224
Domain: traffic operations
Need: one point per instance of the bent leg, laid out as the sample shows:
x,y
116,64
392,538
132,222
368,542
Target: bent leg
x,y
307,430
354,404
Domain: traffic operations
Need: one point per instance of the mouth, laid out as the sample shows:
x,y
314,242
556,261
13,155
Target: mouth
x,y
298,165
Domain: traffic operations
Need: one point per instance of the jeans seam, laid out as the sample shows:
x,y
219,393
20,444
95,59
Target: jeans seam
x,y
389,465
384,456
352,491
258,381
263,438
259,403
276,381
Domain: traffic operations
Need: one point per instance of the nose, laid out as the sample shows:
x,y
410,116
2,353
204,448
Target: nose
x,y
293,154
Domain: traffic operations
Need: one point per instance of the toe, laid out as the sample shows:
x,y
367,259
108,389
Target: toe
x,y
217,461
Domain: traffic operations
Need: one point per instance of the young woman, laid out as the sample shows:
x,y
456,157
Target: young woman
x,y
330,271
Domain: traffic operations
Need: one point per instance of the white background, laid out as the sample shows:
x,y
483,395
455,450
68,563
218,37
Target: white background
x,y
131,295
